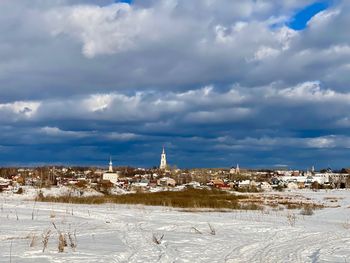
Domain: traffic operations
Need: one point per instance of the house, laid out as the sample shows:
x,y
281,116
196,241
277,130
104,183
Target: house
x,y
18,179
275,181
218,183
296,173
244,183
265,186
112,177
301,185
141,183
4,184
124,182
235,170
166,181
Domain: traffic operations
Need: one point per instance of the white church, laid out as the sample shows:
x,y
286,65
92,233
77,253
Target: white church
x,y
163,164
110,175
235,170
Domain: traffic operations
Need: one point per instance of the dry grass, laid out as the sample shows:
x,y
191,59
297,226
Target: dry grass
x,y
288,202
196,230
307,210
332,199
212,229
157,240
61,242
291,219
33,241
190,198
208,210
63,239
346,224
46,236
72,242
195,200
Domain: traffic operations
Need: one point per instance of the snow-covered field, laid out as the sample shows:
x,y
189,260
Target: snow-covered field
x,y
119,233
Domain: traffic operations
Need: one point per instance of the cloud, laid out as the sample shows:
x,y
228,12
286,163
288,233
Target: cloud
x,y
217,81
149,44
102,30
122,136
19,110
57,132
204,105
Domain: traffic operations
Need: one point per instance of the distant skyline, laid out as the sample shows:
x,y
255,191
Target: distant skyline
x,y
259,83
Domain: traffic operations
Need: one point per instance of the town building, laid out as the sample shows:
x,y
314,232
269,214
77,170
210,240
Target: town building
x,y
166,181
110,175
234,170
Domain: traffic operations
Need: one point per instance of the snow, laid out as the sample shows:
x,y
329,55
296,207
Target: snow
x,y
123,233
30,192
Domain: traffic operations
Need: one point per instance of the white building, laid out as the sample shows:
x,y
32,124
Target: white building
x,y
110,168
166,181
163,160
235,170
318,177
110,175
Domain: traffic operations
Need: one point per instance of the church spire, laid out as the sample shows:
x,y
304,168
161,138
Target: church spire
x,y
110,168
163,160
237,169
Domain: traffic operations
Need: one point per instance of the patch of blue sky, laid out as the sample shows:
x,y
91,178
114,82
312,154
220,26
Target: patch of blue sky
x,y
302,17
124,1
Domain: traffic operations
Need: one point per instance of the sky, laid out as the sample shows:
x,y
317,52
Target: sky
x,y
262,83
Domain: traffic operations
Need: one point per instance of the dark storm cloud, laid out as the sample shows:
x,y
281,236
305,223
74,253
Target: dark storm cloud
x,y
217,82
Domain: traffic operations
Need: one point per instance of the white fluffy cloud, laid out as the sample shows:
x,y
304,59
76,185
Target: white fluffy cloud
x,y
116,28
102,30
19,110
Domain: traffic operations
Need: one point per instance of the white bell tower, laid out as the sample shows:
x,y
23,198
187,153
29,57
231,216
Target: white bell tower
x,y
163,160
237,169
110,168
